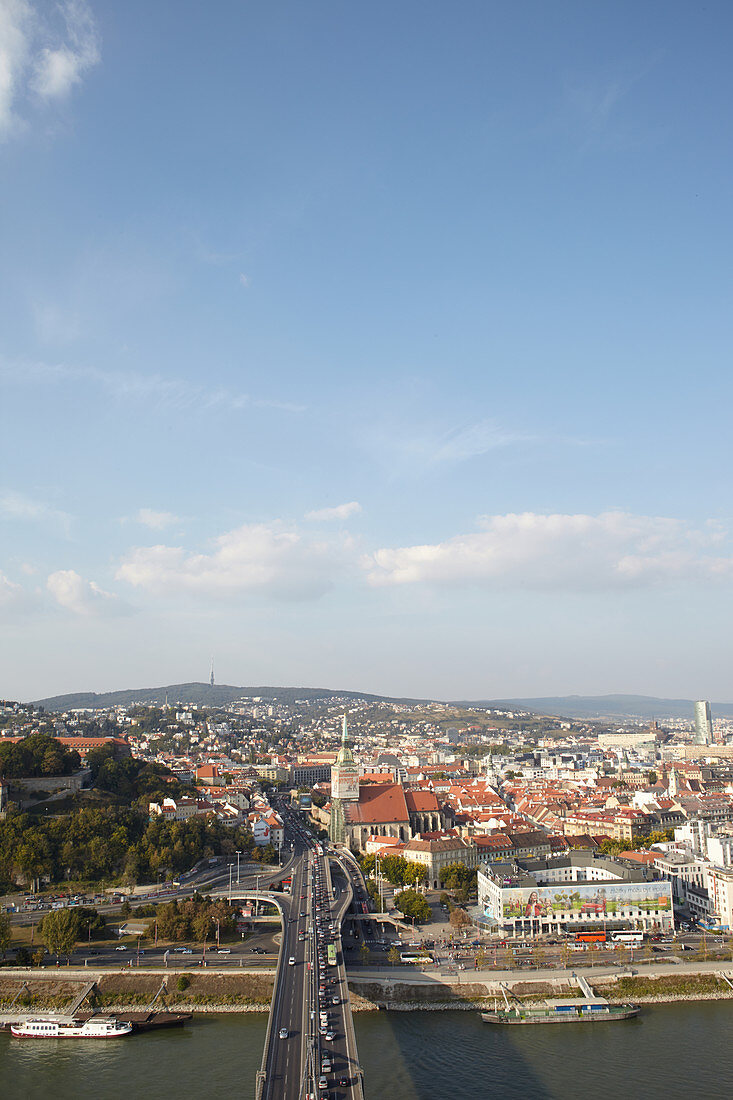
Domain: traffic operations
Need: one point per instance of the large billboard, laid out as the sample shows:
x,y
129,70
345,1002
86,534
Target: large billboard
x,y
599,900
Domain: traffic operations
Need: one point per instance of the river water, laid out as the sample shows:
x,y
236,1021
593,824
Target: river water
x,y
670,1052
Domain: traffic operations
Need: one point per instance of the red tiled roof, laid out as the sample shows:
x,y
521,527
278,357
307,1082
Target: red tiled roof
x,y
383,803
421,802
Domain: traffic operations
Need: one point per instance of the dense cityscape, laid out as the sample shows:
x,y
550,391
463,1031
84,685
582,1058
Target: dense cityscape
x,y
442,838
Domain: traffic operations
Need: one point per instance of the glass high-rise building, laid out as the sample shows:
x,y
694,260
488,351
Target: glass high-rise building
x,y
703,723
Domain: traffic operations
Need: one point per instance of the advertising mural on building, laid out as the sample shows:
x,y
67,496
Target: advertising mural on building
x,y
606,900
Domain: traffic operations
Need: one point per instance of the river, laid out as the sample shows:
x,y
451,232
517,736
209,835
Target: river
x,y
671,1052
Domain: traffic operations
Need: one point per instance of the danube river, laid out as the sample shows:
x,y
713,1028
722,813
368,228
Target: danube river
x,y
672,1052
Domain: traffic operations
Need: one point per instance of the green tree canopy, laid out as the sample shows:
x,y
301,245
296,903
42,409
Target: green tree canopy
x,y
60,930
5,932
413,905
37,755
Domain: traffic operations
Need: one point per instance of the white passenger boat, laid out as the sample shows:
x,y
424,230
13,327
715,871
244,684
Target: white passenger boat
x,y
99,1027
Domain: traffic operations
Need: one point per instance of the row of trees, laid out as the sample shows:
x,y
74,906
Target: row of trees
x,y
396,869
111,843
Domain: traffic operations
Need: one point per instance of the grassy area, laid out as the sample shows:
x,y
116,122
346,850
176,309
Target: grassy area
x,y
139,989
668,986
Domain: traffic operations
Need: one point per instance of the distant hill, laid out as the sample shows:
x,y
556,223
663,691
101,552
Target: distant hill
x,y
203,695
612,707
608,706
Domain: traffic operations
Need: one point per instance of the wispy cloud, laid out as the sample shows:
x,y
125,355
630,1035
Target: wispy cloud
x,y
45,51
12,595
174,394
340,511
471,440
57,69
18,506
156,521
591,105
407,450
561,552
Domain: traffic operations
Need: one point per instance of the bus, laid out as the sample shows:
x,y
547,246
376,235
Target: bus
x,y
331,954
590,937
627,937
405,957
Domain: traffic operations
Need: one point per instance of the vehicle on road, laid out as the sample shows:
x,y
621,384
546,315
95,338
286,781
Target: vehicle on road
x,y
283,1033
291,960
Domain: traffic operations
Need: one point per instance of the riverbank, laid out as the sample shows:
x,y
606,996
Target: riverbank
x,y
227,992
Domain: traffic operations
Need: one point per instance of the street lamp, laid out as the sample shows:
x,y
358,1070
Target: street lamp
x,y
238,855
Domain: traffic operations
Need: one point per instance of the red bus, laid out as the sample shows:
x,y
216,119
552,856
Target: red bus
x,y
590,937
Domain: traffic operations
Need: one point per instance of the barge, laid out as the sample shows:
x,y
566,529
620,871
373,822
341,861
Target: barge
x,y
569,1010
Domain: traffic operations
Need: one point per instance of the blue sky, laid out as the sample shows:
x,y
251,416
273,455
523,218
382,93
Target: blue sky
x,y
381,347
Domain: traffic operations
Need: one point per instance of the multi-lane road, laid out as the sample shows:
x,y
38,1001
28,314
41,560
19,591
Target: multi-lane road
x,y
310,1047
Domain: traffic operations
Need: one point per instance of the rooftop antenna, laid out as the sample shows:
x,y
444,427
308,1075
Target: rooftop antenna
x,y
211,677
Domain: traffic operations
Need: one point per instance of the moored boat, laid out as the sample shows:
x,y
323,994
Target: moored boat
x,y
571,1010
98,1027
562,1012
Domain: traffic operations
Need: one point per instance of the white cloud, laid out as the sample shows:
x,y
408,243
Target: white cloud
x,y
57,70
15,30
266,559
559,552
340,511
42,54
157,521
244,279
78,595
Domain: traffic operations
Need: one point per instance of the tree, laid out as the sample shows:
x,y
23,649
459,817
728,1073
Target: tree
x,y
415,874
393,956
5,932
652,777
365,954
60,930
459,920
413,905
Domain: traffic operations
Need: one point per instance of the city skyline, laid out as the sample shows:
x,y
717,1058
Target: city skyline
x,y
371,349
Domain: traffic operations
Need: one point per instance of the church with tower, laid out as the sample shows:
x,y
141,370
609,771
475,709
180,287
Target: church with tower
x,y
375,809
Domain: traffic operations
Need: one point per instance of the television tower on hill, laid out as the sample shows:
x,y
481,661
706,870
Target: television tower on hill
x,y
211,677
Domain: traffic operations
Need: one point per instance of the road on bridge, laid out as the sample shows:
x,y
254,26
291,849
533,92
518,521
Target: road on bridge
x,y
310,1048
